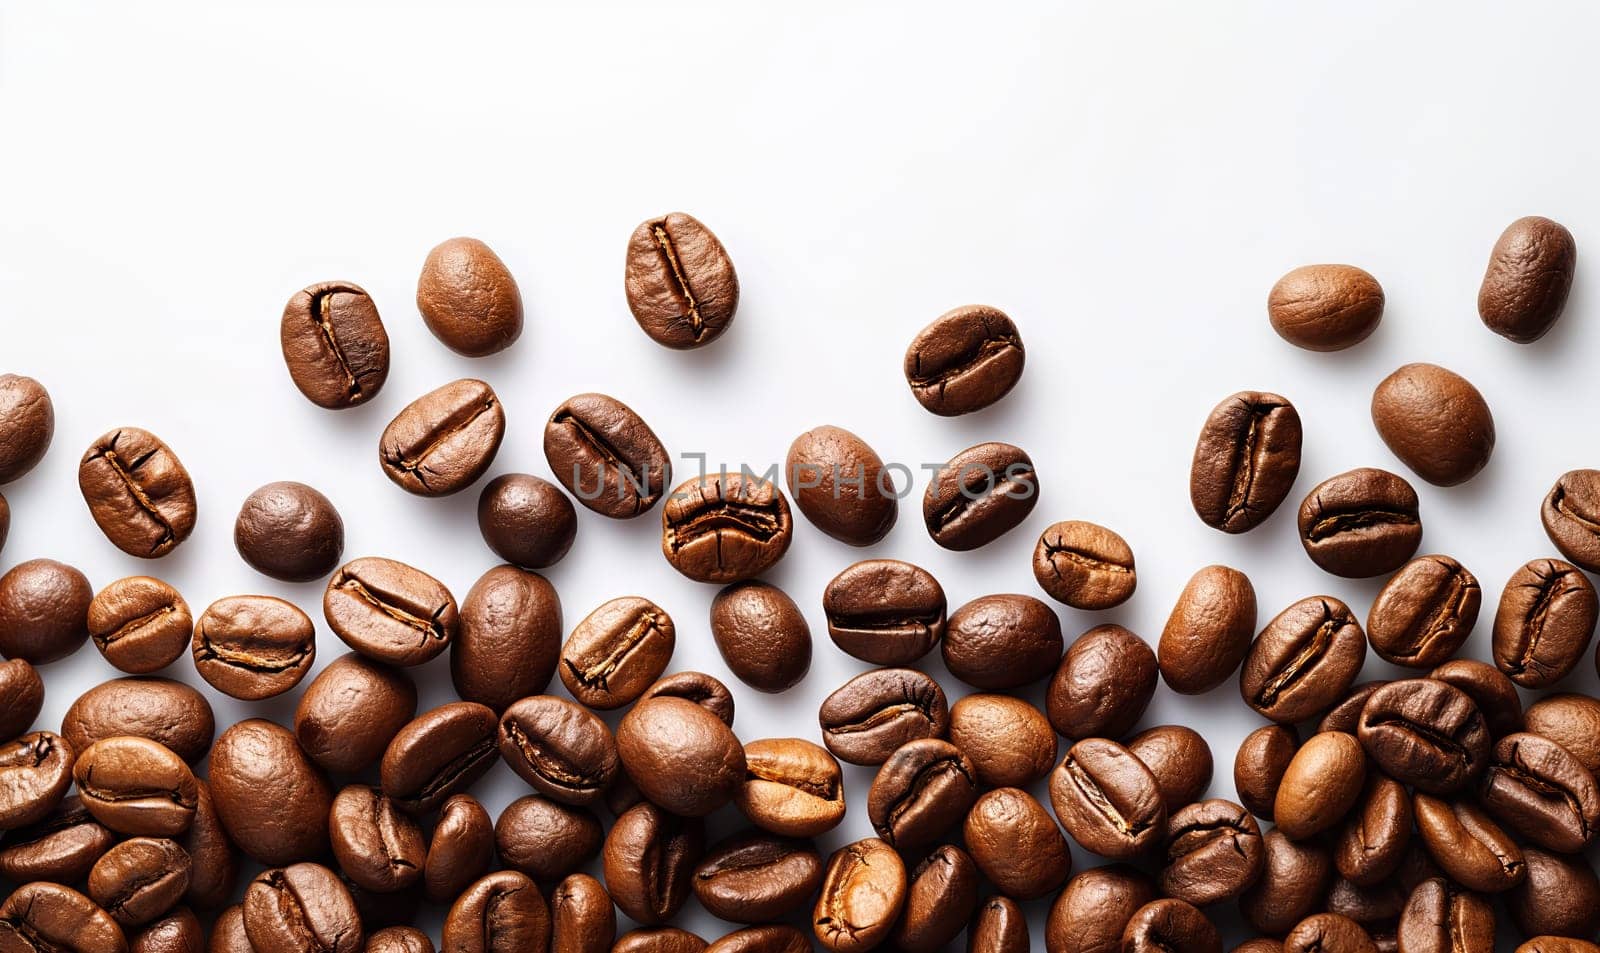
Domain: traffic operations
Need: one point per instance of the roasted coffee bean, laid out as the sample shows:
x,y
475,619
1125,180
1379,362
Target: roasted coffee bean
x,y
389,611
659,940
984,492
1084,565
547,840
1321,785
967,359
1372,908
35,772
460,850
1442,918
1089,915
1545,621
50,917
1178,758
21,697
1361,523
1000,926
443,441
1346,715
841,486
581,917
1557,944
773,938
140,624
377,846
1103,684
1208,633
499,913
1525,286
140,879
885,611
725,527
754,877
649,860
138,492
1424,612
1571,517
1214,852
922,791
289,531
941,894
351,711
228,934
526,521
561,749
1245,461
1539,790
1435,422
61,848
508,643
1294,880
398,940
1108,800
44,606
160,709
1467,845
1170,926
1374,839
468,298
616,652
439,753
1259,764
273,801
863,893
762,635
1002,642
1571,721
791,787
1559,897
253,647
1303,661
681,756
704,690
1328,933
215,864
334,344
136,786
1489,689
680,282
1325,307
177,932
27,425
870,716
1425,733
1009,742
606,456
301,907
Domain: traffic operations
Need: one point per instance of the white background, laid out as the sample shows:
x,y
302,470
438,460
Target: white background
x,y
1127,181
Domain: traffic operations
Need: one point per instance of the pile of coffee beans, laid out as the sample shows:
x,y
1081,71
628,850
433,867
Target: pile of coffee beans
x,y
1418,815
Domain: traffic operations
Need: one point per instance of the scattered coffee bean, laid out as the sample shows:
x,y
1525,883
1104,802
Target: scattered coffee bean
x,y
1472,849
140,624
1009,742
885,611
1435,422
1568,719
840,484
755,877
581,917
870,716
680,282
47,916
704,690
1103,684
351,711
1323,782
460,850
444,440
1258,767
999,927
21,697
253,647
1107,800
508,643
1294,882
440,752
35,772
499,913
1560,896
136,786
547,840
921,792
1214,852
791,787
863,894
649,861
377,846
561,749
997,643
289,531
1177,756
138,492
1571,517
984,492
1303,661
334,344
967,359
27,425
273,801
1442,918
1488,687
1424,612
1371,845
681,756
617,652
1544,623
389,611
606,456
1170,926
762,635
1208,633
140,879
526,521
468,298
1245,461
1325,307
1089,915
725,527
1425,733
1361,523
1525,286
1539,790
1084,565
44,606
941,894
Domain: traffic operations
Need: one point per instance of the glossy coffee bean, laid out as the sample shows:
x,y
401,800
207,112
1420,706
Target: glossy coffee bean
x,y
138,492
289,531
273,801
704,690
885,611
334,344
389,611
1089,915
1259,765
982,493
863,894
1325,307
35,772
177,932
1178,758
545,839
1084,565
967,359
460,850
1345,716
253,647
680,755
998,927
526,521
508,643
1102,685
725,527
1214,852
1360,523
398,940
1009,742
1544,623
1488,687
61,848
468,298
301,907
1571,721
680,282
876,712
1328,933
659,940
1303,661
754,877
773,938
351,711
215,867
140,879
921,792
1559,897
136,786
1571,517
44,607
561,749
1557,944
21,697
606,456
1002,642
376,845
581,917
941,894
1107,800
1208,632
1442,918
140,624
617,652
649,860
443,441
762,635
500,913
50,917
1424,612
440,752
1534,787
1372,843
1323,782
1294,881
1245,461
840,484
1170,926
791,787
27,425
1435,422
1425,733
228,933
1530,272
1472,849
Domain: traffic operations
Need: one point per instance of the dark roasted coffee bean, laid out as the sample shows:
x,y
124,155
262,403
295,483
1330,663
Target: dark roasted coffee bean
x,y
48,918
885,611
253,647
1303,661
546,840
140,624
1259,764
681,756
1084,565
468,298
1208,633
138,492
61,848
398,940
659,940
1545,621
1108,800
941,894
35,772
725,527
791,787
680,282
1170,926
1000,926
1328,933
376,845
136,786
1009,742
617,651
1294,880
527,521
1467,845
443,441
1102,685
1424,612
1442,918
509,641
1557,944
389,611
1374,839
21,697
301,907
177,932
228,934
1425,733
1559,897
1489,689
563,750
1016,844
1178,758
922,791
1435,422
140,879
1214,852
1542,792
1571,721
1245,461
649,860
1530,272
1361,523
44,607
863,893
169,712
1090,914
334,344
1571,516
841,486
460,850
1346,715
984,492
27,425
868,717
1321,785
606,456
773,938
967,359
501,912
1002,642
762,635
704,690
351,711
1325,307
439,753
581,917
289,531
754,877
215,864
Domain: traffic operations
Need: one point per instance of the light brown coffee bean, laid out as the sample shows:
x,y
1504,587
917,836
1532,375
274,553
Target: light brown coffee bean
x,y
791,787
468,298
1325,307
138,492
1321,785
841,486
443,441
140,624
1208,632
335,344
680,282
1530,273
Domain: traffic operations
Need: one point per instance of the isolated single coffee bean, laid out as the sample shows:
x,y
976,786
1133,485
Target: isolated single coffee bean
x,y
1214,852
441,752
138,492
468,298
680,282
526,521
923,790
869,717
27,425
606,456
44,607
50,917
1209,631
1091,912
561,749
545,839
1009,742
1108,801
840,484
649,860
1361,523
1571,517
1544,623
1530,273
460,851
1472,849
351,711
253,647
1102,685
1424,612
140,879
140,624
1425,733
1325,307
1178,758
941,894
35,772
1259,764
1440,917
1435,422
791,787
1323,782
136,786
1303,661
1245,461
967,359
725,527
863,894
273,801
289,531
443,441
761,635
1373,841
334,344
1489,688
1293,884
390,612
754,877
982,493
376,845
885,611
681,756
1084,565
1170,926
1002,642
581,916
1539,790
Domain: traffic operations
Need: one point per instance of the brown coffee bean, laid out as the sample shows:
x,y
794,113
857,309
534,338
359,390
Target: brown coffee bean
x,y
1245,461
253,647
1103,684
1559,897
35,772
1435,422
215,864
922,791
21,697
1571,721
616,652
140,624
1442,918
725,527
1208,633
351,711
659,940
1091,913
500,913
1294,880
680,755
177,932
289,531
546,840
398,940
1360,523
1322,783
754,877
967,359
273,801
1537,789
44,606
50,917
136,786
334,344
468,298
680,282
1107,800
228,934
1489,688
1545,621
27,425
1424,612
1328,933
140,879
1303,661
1557,944
561,749
138,492
461,849
377,846
581,918
984,492
649,860
941,894
61,848
1259,764
1178,758
1325,307
762,635
443,441
704,690
840,484
509,639
1002,642
1214,852
863,893
1009,742
439,753
885,611
1372,843
1345,716
870,716
774,938
1525,286
1084,565
1425,733
1170,926
999,927
1467,845
1571,517
606,456
526,521
791,787
389,611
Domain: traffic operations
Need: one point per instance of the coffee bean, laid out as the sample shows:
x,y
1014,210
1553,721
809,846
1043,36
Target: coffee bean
x,y
460,850
1345,715
389,611
984,492
508,643
1374,839
1424,612
27,425
1472,849
775,938
680,282
1102,685
762,635
885,611
870,716
1259,764
1002,642
561,749
1560,896
439,753
863,893
44,606
61,848
922,791
1525,286
160,709
526,521
1090,914
1442,918
649,860
1084,565
1557,944
1571,721
754,877
1303,661
1178,758
215,865
659,940
1571,517
1489,688
704,690
253,647
1214,852
289,531
1009,742
967,359
140,624
1425,733
725,527
443,441
1542,792
138,492
301,907
1170,926
1294,880
376,845
791,787
1322,783
1325,307
398,940
581,918
615,653
1245,461
999,927
499,913
228,934
1544,623
680,755
1208,633
50,917
1107,800
177,932
334,344
1328,933
1361,523
468,298
21,697
351,711
941,894
140,879
136,786
606,456
1435,422
840,484
546,840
